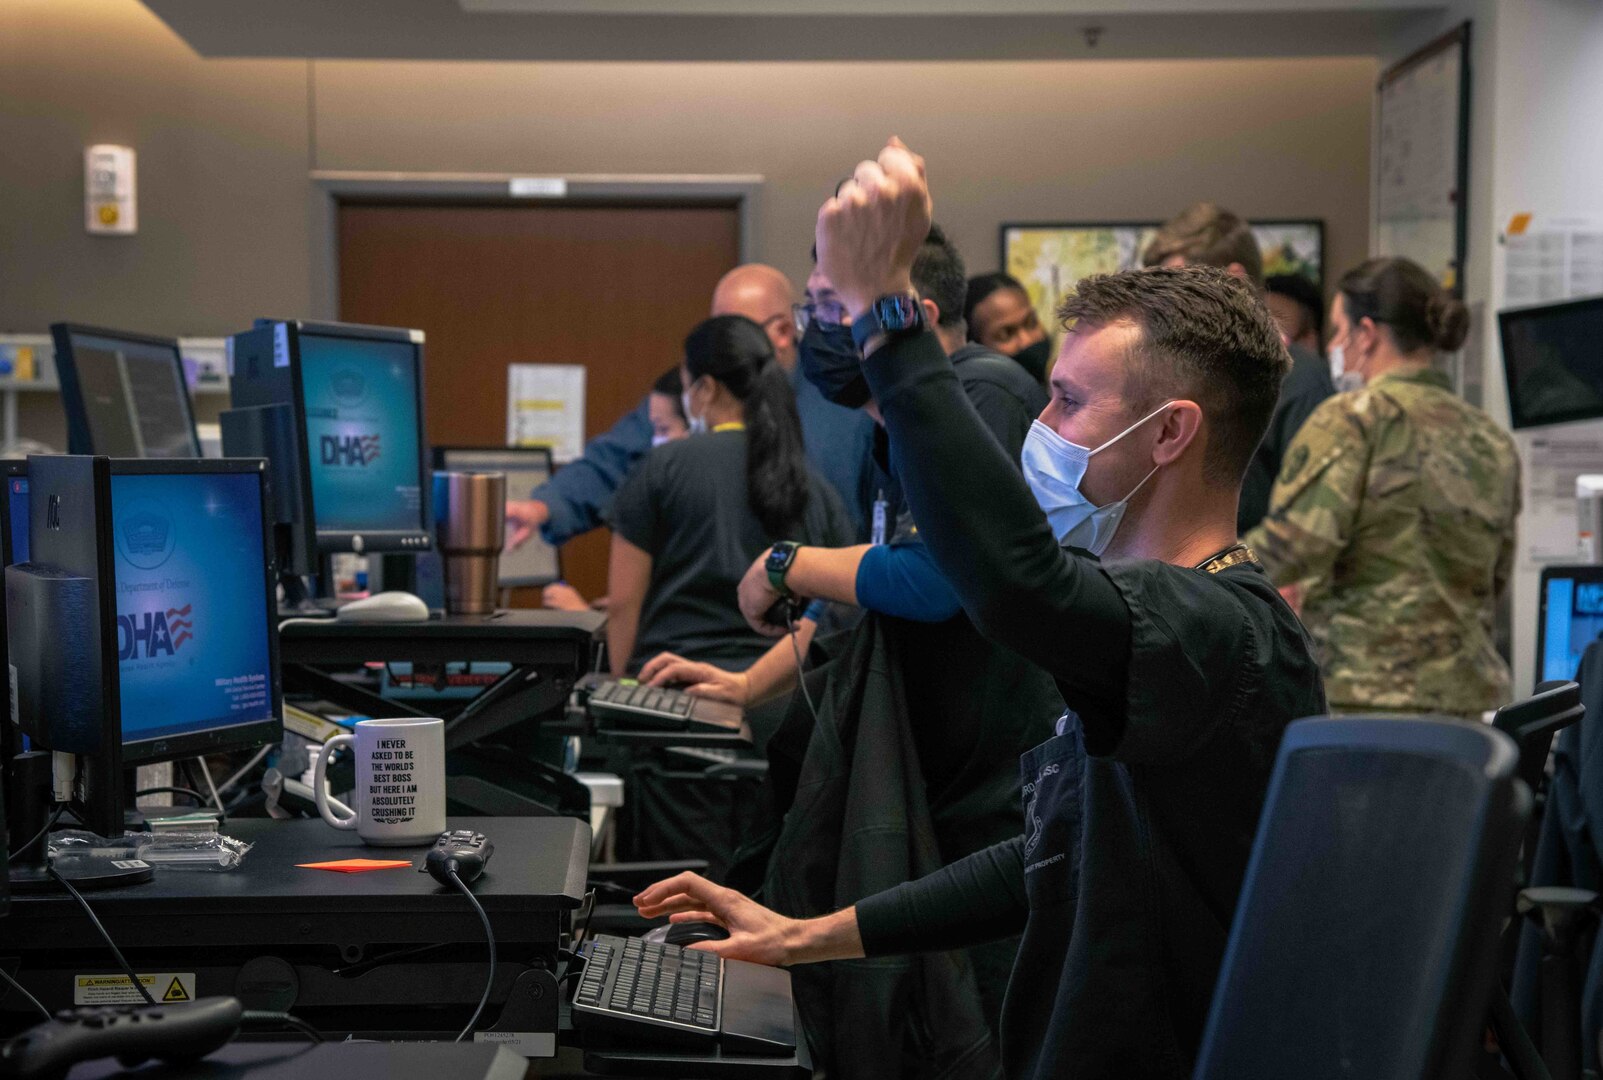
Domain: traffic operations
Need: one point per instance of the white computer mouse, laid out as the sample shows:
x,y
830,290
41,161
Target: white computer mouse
x,y
385,607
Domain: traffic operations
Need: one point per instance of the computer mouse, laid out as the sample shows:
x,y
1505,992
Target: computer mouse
x,y
688,933
385,607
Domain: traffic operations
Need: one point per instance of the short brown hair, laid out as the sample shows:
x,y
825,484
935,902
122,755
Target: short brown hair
x,y
1206,235
1206,337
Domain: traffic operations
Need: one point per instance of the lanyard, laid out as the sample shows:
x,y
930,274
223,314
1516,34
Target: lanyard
x,y
1234,555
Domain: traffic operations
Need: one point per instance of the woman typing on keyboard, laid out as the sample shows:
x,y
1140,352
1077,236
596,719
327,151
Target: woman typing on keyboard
x,y
696,512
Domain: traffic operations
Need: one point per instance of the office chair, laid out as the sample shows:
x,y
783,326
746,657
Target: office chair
x,y
1533,724
1563,916
1365,938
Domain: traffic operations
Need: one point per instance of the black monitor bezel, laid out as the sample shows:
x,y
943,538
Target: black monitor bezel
x,y
98,793
380,541
1517,418
240,736
79,437
439,453
10,737
9,467
1590,572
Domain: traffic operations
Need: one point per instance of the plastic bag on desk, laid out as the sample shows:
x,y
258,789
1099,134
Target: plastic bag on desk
x,y
207,852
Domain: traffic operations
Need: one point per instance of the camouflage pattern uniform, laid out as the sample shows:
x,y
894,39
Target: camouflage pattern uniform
x,y
1398,502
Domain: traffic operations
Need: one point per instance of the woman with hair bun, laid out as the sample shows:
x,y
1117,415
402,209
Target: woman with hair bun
x,y
1392,520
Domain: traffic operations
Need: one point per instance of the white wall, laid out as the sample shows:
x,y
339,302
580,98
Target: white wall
x,y
1537,97
1548,159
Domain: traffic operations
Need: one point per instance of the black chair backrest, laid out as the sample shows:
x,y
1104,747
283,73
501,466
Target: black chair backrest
x,y
1364,939
1534,722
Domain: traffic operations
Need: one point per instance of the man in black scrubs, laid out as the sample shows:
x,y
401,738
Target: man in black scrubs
x,y
1179,662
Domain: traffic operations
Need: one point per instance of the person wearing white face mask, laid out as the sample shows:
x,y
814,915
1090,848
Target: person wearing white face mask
x,y
1397,503
1179,663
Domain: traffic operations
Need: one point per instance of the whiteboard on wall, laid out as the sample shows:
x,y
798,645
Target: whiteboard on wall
x,y
1421,157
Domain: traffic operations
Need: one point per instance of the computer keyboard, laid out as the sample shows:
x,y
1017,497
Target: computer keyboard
x,y
630,984
631,703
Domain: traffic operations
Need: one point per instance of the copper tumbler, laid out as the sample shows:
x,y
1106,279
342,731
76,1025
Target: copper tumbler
x,y
471,517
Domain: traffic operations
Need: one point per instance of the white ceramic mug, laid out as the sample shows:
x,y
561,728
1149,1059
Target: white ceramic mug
x,y
400,781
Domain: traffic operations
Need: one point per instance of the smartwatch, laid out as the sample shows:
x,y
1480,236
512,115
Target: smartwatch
x,y
778,565
896,315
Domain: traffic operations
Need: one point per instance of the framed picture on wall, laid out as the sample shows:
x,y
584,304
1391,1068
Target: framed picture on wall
x,y
1049,258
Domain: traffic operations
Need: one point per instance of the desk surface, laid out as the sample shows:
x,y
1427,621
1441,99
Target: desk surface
x,y
539,864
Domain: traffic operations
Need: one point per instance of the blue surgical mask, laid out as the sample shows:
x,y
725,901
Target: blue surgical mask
x,y
1054,468
830,361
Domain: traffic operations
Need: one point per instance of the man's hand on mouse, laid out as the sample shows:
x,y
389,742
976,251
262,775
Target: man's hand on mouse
x,y
870,230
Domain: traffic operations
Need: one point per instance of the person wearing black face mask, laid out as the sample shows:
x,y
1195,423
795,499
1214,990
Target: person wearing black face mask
x,y
1000,316
965,706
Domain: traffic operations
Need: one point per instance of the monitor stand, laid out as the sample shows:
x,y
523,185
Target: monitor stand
x,y
84,872
300,603
28,785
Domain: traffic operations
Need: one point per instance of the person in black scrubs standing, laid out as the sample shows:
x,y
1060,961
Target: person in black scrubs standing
x,y
1113,563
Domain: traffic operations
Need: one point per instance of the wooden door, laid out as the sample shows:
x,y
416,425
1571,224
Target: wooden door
x,y
612,287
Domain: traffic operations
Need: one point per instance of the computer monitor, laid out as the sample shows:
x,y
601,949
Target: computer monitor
x,y
1571,605
197,634
14,512
151,610
356,397
13,548
125,394
526,468
1553,362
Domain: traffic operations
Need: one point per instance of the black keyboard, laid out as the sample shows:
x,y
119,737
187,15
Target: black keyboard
x,y
642,705
630,982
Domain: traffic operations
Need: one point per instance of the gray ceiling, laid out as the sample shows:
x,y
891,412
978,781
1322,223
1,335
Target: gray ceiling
x,y
767,30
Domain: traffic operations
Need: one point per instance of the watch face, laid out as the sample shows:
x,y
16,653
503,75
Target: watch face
x,y
779,559
897,312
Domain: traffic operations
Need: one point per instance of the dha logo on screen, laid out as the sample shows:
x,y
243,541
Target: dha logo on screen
x,y
148,635
349,387
350,450
145,534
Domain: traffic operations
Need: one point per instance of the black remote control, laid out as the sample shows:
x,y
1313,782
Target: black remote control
x,y
131,1033
464,851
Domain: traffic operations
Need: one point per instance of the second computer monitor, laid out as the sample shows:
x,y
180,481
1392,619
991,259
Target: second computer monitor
x,y
197,641
125,394
14,512
526,468
1571,618
357,396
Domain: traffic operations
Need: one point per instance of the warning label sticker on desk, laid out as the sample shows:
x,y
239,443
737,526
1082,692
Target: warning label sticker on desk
x,y
166,986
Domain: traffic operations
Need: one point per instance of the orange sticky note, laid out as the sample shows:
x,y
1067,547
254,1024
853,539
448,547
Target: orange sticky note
x,y
356,866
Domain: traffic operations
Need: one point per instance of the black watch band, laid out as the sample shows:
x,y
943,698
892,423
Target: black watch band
x,y
893,315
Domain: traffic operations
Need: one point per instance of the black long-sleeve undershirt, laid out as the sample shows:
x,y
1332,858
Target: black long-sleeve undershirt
x,y
990,539
969,902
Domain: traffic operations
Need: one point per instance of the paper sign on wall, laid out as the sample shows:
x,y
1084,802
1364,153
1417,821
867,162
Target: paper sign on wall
x,y
545,407
1547,259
